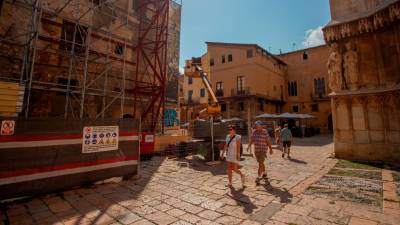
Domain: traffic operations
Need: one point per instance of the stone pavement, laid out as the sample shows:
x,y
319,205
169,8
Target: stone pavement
x,y
304,190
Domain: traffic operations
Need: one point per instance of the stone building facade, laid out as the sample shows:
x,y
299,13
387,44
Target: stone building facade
x,y
307,85
364,75
249,81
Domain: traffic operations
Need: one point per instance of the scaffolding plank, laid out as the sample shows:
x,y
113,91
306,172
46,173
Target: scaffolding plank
x,y
9,86
13,98
9,109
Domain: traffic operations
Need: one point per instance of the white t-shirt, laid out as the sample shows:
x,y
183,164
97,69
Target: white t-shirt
x,y
231,154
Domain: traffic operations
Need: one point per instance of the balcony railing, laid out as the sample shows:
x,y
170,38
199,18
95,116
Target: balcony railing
x,y
241,91
219,93
319,96
192,101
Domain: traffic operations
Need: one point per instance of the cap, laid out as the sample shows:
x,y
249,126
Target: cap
x,y
258,123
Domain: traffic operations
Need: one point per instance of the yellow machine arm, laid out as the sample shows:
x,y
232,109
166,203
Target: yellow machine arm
x,y
196,71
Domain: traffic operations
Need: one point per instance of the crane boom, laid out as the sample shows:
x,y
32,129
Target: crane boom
x,y
197,72
207,84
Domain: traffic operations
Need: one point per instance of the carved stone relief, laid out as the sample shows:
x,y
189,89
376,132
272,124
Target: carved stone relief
x,y
378,20
335,62
346,30
365,25
394,11
350,64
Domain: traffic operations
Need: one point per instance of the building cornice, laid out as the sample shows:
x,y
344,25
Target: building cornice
x,y
366,23
265,52
376,91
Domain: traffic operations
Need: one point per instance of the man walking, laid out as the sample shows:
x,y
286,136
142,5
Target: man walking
x,y
260,139
287,140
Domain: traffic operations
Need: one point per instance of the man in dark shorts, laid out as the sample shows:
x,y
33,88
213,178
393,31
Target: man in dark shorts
x,y
287,140
260,139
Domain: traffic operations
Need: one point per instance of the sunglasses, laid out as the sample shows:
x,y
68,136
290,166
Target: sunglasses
x,y
230,129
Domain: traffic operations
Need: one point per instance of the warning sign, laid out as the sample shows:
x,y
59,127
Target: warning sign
x,y
7,127
149,138
100,139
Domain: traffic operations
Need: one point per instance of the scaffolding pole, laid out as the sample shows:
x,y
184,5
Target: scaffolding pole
x,y
138,79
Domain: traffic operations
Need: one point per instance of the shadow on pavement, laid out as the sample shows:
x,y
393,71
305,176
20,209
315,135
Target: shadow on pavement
x,y
242,199
98,203
283,194
198,164
297,161
321,140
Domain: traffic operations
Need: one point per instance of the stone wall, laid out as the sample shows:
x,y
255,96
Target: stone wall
x,y
364,74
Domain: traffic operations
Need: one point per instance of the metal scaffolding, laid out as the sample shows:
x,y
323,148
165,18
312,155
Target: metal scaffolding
x,y
97,58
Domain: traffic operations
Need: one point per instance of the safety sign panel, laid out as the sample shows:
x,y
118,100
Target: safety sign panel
x,y
7,127
100,139
149,138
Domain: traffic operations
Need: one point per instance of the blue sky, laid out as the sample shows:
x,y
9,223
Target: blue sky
x,y
273,24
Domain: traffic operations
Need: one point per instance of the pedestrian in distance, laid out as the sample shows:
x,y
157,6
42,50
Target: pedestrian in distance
x,y
260,139
287,141
232,149
278,137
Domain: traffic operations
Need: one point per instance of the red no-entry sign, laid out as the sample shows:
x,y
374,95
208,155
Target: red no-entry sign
x,y
7,127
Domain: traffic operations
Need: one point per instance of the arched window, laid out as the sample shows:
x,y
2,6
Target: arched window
x,y
315,86
319,86
292,88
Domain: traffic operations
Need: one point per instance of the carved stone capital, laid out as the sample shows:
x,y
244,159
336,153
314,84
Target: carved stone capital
x,y
345,30
365,25
379,20
394,11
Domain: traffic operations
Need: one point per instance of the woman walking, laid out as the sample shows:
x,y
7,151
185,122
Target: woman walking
x,y
233,154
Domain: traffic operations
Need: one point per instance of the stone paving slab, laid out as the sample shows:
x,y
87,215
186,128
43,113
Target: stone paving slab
x,y
171,192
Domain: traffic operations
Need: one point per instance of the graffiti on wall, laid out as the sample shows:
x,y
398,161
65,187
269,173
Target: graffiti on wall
x,y
170,118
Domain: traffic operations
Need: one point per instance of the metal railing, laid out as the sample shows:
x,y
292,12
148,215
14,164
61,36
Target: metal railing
x,y
192,101
219,93
241,91
319,96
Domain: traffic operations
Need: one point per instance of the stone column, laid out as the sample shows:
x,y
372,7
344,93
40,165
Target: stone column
x,y
334,114
383,99
364,102
350,115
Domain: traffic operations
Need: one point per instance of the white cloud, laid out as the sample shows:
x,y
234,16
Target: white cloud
x,y
314,37
181,70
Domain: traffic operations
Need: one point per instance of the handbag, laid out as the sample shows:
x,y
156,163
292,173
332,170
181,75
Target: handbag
x,y
227,146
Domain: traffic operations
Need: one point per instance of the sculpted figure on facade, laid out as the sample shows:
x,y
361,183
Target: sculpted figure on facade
x,y
394,11
378,20
335,68
350,64
346,30
365,25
